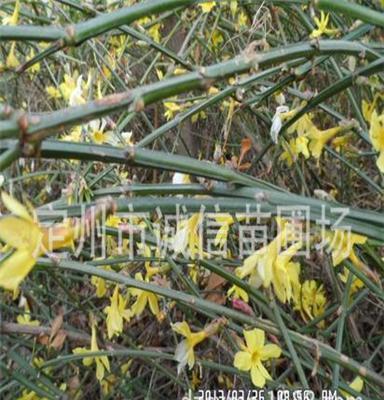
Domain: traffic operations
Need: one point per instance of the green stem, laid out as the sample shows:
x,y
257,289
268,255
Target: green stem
x,y
279,207
9,156
291,347
73,35
141,157
363,277
39,127
353,10
340,330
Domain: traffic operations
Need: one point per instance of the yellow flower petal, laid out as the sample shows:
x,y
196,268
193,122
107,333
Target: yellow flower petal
x,y
153,303
140,303
20,234
270,351
207,6
263,371
99,369
87,361
357,384
114,318
243,361
15,268
254,339
182,328
197,337
15,207
257,378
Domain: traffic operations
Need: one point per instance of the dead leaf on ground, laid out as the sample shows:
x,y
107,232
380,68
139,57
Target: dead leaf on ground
x,y
58,342
215,290
56,325
246,145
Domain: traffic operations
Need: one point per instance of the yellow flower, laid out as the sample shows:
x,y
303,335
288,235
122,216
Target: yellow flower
x,y
193,271
185,350
150,271
341,244
301,146
108,384
12,61
154,32
320,138
213,90
357,385
22,232
259,265
171,108
68,86
303,126
253,354
74,135
160,74
207,6
233,7
309,299
270,266
307,131
200,115
14,19
143,298
100,284
53,92
102,362
356,285
322,28
184,353
367,109
238,293
109,65
217,39
36,67
72,89
242,20
286,273
341,141
29,395
128,138
294,148
179,71
98,133
188,236
26,319
180,179
116,313
225,221
76,96
113,221
376,133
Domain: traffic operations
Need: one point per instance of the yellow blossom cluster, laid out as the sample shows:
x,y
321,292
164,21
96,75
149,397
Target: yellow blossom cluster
x,y
12,61
376,131
309,140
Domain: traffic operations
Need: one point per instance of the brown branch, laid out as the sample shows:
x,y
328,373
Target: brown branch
x,y
9,328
